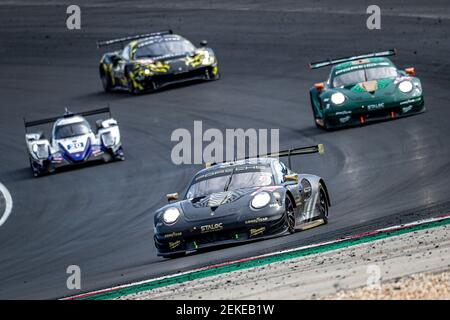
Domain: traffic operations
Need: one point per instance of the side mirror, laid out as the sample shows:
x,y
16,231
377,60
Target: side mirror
x,y
410,71
321,148
203,43
291,177
99,124
319,86
172,196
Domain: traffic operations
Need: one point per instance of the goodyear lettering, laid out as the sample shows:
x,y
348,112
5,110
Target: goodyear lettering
x,y
172,235
256,220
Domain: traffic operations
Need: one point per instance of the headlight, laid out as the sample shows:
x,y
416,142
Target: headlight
x,y
405,86
260,200
108,139
171,215
41,150
147,72
207,58
337,98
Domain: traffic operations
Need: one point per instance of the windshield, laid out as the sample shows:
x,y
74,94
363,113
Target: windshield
x,y
171,47
71,130
230,180
363,75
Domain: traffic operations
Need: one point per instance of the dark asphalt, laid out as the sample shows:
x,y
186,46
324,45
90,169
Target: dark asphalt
x,y
100,217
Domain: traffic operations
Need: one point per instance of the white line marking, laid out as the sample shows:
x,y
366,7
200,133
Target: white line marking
x,y
9,204
401,226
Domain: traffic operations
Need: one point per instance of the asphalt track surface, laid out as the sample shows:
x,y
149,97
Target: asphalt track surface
x,y
100,217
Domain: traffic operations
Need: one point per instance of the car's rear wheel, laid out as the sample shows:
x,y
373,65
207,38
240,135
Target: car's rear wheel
x,y
322,204
290,215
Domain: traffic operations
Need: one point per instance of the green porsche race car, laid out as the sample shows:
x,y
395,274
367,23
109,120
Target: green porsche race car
x,y
150,61
364,88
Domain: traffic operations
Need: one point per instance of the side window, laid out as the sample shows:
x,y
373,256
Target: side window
x,y
284,169
280,171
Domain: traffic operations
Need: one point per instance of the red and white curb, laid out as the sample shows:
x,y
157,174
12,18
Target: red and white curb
x,y
383,230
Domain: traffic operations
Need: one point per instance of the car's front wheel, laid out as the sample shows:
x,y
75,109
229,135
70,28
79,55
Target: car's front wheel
x,y
290,215
322,204
131,86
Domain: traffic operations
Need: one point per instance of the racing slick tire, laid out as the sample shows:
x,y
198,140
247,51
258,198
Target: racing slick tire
x,y
106,81
35,172
119,156
322,204
290,215
131,87
324,124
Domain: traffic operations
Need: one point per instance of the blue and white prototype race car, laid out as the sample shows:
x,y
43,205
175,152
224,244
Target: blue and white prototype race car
x,y
73,141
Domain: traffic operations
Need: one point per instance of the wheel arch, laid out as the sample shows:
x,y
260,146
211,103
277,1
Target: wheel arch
x,y
322,183
291,197
315,102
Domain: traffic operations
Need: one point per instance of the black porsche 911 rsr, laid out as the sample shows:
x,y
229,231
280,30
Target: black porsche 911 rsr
x,y
241,201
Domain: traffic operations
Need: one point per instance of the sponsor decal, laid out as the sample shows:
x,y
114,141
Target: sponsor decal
x,y
211,227
362,66
409,101
257,231
343,113
407,109
172,235
256,220
376,106
344,119
173,245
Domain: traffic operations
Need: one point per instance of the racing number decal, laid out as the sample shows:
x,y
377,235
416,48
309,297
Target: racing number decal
x,y
75,145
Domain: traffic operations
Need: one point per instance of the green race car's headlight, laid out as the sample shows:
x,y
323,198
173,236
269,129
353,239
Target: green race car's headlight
x,y
260,200
337,98
405,86
170,216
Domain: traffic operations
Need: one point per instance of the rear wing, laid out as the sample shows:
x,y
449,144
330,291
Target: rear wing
x,y
105,43
35,123
319,148
329,62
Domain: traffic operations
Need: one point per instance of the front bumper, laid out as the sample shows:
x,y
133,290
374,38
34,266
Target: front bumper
x,y
95,155
160,80
359,116
191,240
